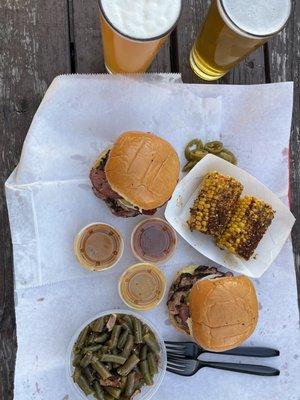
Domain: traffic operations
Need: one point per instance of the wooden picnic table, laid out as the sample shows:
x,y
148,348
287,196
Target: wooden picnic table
x,y
40,39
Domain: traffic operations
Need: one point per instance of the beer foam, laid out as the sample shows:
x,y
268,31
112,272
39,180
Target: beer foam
x,y
142,19
258,17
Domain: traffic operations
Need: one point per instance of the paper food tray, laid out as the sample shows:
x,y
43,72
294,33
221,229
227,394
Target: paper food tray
x,y
178,212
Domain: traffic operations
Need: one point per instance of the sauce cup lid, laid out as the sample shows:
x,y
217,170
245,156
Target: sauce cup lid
x,y
153,240
98,246
142,286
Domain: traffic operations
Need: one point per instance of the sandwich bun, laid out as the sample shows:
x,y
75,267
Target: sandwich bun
x,y
143,168
224,312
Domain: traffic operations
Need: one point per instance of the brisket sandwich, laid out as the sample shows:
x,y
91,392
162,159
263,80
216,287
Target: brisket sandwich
x,y
220,311
137,175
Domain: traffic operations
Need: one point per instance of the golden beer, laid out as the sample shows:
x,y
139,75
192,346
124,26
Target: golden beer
x,y
133,32
232,30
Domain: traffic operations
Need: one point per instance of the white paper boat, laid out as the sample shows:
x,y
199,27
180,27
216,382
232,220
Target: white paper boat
x,y
178,212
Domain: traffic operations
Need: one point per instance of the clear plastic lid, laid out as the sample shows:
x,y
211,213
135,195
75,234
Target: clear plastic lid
x,y
98,246
153,240
142,286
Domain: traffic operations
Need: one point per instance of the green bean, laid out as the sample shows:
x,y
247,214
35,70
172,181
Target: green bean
x,y
92,348
122,339
84,385
146,374
130,384
100,368
136,350
98,325
139,384
126,327
108,397
113,391
113,358
152,343
76,374
128,321
101,338
195,144
214,147
86,360
189,166
131,362
115,336
123,382
99,393
105,349
137,328
152,364
108,366
137,370
128,347
88,373
145,329
228,156
82,337
143,352
76,360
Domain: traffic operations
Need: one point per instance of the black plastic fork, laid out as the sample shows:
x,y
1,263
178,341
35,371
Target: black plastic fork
x,y
189,367
192,350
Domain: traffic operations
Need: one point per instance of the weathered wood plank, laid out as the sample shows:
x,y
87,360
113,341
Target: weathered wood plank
x,y
285,66
87,41
252,70
34,48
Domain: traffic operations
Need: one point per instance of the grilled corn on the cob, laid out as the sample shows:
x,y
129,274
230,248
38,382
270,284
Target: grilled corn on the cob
x,y
215,204
247,226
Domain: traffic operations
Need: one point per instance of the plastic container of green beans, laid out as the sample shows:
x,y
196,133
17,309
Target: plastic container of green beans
x,y
147,392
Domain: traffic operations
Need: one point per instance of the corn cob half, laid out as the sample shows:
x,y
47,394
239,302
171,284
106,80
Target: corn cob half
x,y
247,227
215,204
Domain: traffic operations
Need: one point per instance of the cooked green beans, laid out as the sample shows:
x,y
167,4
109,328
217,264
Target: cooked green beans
x,y
195,151
114,392
130,385
115,336
152,343
114,357
143,352
152,364
98,391
100,368
131,362
128,346
137,328
84,385
146,373
122,339
98,325
86,360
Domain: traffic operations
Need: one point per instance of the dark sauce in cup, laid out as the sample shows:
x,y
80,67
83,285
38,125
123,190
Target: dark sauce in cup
x,y
153,240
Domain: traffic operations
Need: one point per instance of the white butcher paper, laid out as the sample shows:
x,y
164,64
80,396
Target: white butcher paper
x,y
50,199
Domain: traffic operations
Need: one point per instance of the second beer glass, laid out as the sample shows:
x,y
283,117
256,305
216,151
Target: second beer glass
x,y
133,31
232,30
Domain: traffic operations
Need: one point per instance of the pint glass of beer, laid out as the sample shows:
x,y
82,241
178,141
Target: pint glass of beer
x,y
232,30
133,31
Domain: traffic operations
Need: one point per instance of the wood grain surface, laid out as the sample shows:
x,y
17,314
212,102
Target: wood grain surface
x,y
40,39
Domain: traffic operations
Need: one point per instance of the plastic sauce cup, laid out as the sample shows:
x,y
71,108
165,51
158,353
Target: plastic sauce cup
x,y
153,240
98,246
142,286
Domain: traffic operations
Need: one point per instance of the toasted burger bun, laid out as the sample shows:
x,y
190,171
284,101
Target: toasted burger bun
x,y
186,270
143,169
224,312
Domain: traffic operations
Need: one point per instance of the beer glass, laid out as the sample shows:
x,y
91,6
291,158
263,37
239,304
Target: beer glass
x,y
133,32
232,30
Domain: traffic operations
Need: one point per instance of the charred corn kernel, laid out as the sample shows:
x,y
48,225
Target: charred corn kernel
x,y
247,227
215,204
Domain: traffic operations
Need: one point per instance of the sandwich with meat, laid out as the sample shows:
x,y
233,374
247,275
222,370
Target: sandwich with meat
x,y
137,175
219,310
